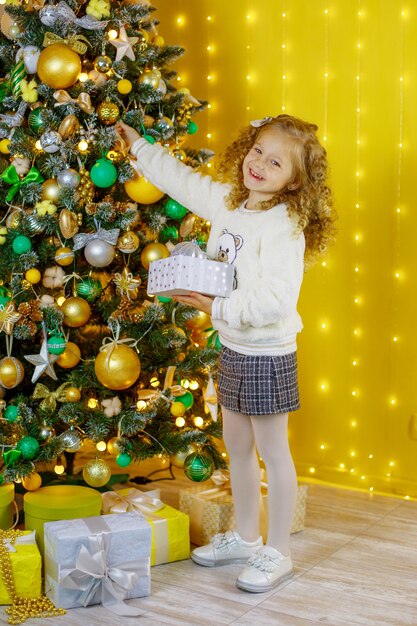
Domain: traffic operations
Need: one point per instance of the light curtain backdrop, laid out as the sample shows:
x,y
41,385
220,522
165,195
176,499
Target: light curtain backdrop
x,y
351,67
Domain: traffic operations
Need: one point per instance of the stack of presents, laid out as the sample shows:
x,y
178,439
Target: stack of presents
x,y
92,548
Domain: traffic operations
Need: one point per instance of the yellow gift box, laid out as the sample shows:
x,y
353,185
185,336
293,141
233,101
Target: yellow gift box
x,y
170,528
26,567
210,508
56,503
7,508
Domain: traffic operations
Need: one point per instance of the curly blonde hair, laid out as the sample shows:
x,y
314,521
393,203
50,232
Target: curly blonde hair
x,y
307,196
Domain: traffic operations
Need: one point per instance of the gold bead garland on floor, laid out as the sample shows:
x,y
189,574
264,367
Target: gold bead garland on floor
x,y
21,609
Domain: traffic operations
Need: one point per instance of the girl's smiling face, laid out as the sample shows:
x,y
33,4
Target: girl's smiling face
x,y
268,166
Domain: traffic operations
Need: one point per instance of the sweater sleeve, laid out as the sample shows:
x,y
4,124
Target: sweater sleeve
x,y
198,193
274,294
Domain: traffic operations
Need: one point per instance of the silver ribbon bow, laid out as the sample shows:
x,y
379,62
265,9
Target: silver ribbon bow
x,y
110,236
262,122
28,539
133,500
63,12
100,583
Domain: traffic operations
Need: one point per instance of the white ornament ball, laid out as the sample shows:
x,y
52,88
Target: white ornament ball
x,y
30,56
69,178
99,253
51,141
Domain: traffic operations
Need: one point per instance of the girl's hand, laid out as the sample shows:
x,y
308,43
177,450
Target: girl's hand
x,y
129,134
196,300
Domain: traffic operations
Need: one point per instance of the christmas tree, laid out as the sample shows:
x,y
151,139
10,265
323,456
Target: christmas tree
x,y
86,353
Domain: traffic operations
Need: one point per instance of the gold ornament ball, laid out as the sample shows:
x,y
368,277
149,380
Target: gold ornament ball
x,y
201,321
4,146
178,459
96,473
121,370
113,446
150,77
58,66
11,372
108,112
68,126
70,357
51,190
64,256
177,409
124,86
72,394
141,190
158,40
76,311
33,276
13,219
32,482
128,242
153,252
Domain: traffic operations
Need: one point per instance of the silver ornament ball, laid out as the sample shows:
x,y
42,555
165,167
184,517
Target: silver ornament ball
x,y
51,141
99,253
68,178
34,224
71,440
46,432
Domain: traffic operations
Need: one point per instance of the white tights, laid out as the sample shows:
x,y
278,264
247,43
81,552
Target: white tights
x,y
243,435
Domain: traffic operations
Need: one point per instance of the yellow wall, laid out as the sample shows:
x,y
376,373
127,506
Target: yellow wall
x,y
351,67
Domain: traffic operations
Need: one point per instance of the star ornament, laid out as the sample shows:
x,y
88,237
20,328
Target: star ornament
x,y
43,363
124,45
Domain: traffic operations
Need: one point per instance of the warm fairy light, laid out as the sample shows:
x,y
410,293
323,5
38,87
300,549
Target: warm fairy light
x,y
312,470
284,77
82,145
209,77
198,421
208,135
209,18
395,339
180,20
371,488
92,403
101,446
17,480
352,470
323,325
185,383
83,77
388,475
112,34
391,463
356,269
38,145
393,401
324,386
363,477
353,423
406,497
224,455
342,466
352,453
141,405
194,385
324,264
357,332
354,393
354,363
60,301
323,446
59,469
154,382
370,456
180,421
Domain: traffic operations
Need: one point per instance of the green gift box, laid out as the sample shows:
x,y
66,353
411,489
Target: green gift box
x,y
170,528
58,502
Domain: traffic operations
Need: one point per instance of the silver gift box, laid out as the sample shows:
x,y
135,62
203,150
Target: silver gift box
x,y
119,544
180,274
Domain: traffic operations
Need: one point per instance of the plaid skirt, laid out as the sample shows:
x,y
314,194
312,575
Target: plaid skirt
x,y
258,385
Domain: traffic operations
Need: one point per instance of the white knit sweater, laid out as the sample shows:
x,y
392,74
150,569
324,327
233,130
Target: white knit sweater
x,y
260,317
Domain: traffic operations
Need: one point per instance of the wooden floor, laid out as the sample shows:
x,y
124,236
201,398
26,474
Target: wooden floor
x,y
355,563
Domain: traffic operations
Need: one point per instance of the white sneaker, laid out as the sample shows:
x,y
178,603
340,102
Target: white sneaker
x,y
225,548
265,569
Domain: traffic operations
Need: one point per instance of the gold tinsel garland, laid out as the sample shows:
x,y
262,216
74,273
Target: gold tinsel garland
x,y
21,609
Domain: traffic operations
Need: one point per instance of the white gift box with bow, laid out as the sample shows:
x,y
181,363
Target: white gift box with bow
x,y
98,560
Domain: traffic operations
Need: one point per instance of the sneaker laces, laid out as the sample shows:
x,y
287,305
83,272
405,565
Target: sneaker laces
x,y
262,561
222,541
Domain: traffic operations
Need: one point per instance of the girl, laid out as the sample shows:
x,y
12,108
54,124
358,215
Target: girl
x,y
271,210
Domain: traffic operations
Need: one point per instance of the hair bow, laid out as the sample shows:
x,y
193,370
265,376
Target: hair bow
x,y
11,177
262,122
84,101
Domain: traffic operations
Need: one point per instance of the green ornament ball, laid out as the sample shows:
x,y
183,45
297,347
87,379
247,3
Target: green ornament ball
x,y
164,299
168,233
187,399
11,413
29,447
89,289
198,466
123,459
175,210
192,128
56,344
38,120
103,173
5,296
21,244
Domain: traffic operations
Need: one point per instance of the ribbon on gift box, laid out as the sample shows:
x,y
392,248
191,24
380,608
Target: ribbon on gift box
x,y
9,542
146,504
99,583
